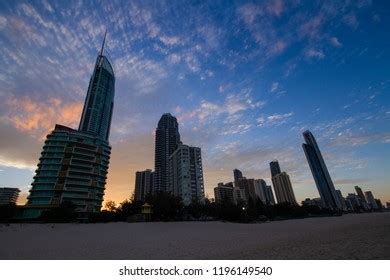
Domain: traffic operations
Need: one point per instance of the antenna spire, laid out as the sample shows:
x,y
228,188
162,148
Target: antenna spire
x,y
104,41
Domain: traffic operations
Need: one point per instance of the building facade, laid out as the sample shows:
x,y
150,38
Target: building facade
x,y
283,188
320,171
9,195
167,140
360,193
371,200
186,174
237,174
72,168
223,193
342,200
99,102
275,168
73,165
143,184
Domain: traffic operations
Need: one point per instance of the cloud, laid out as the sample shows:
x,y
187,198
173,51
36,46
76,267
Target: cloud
x,y
335,42
275,7
275,119
351,20
39,117
274,86
313,53
349,138
174,58
170,40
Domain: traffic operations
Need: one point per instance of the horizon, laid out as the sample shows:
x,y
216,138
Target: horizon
x,y
244,81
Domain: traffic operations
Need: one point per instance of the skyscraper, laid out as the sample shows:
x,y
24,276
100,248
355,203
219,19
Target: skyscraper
x,y
237,176
186,174
99,102
283,188
143,184
371,200
320,172
275,168
73,165
360,193
166,142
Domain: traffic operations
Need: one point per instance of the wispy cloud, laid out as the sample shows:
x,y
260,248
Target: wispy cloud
x,y
275,119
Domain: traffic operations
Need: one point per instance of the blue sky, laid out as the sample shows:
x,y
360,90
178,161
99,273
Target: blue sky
x,y
244,79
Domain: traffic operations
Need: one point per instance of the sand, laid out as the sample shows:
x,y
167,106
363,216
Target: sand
x,y
353,236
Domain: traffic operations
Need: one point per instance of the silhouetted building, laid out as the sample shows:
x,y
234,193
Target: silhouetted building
x,y
317,202
275,168
388,205
353,202
260,188
360,193
224,193
320,171
166,142
283,188
186,174
239,195
371,200
237,176
379,204
143,184
74,163
264,192
342,200
9,195
269,195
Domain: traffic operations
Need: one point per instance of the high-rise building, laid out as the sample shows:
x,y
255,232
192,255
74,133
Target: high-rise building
x,y
275,168
143,184
263,192
166,142
237,176
260,188
283,188
360,193
9,195
342,200
320,171
186,174
74,163
99,102
269,196
353,202
223,193
371,200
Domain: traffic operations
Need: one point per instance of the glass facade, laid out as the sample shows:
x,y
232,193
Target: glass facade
x,y
99,103
320,172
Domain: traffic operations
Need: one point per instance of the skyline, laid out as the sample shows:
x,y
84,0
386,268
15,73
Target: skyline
x,y
242,92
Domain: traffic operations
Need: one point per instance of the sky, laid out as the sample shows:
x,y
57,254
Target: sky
x,y
244,79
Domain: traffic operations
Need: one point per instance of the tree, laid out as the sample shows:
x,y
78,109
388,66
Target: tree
x,y
110,206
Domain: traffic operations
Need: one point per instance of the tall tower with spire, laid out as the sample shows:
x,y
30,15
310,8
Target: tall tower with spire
x,y
73,165
99,102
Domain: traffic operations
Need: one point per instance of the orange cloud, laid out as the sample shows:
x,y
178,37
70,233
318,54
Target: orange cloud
x,y
38,118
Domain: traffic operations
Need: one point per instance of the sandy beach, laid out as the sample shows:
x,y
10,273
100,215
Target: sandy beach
x,y
353,236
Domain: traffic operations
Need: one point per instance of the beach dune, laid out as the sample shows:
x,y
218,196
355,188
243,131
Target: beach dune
x,y
353,236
